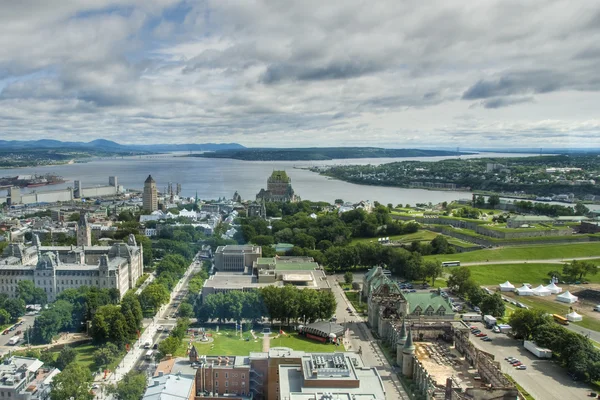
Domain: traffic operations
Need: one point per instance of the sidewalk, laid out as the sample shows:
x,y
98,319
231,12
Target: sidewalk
x,y
137,350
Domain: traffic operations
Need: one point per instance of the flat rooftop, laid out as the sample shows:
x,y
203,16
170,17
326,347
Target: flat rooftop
x,y
232,280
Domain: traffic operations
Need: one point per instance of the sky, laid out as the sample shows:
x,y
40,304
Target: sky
x,y
277,73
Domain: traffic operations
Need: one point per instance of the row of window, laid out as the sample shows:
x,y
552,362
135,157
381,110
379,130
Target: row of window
x,y
232,375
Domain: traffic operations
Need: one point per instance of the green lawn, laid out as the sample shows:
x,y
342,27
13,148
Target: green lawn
x,y
85,356
533,252
225,344
493,274
421,235
298,342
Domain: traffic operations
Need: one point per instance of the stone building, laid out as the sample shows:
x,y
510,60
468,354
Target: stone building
x,y
257,209
150,196
279,189
56,268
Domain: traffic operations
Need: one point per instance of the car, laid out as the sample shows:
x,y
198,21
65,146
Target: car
x,y
517,364
481,334
486,339
155,347
477,309
95,386
472,327
495,329
160,328
508,358
476,332
412,291
521,367
513,362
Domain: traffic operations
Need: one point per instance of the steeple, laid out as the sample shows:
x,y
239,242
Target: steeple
x,y
84,231
403,332
409,346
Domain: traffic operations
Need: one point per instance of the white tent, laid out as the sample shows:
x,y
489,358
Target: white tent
x,y
541,291
573,316
507,287
566,297
553,288
524,291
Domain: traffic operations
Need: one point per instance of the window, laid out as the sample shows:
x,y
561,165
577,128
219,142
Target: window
x,y
243,376
216,384
226,375
216,374
243,383
226,383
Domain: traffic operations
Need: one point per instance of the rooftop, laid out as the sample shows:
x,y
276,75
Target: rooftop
x,y
169,387
424,300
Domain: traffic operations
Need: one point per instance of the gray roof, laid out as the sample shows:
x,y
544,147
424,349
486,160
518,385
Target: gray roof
x,y
169,387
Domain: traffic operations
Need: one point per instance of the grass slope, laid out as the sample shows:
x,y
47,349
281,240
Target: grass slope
x,y
534,252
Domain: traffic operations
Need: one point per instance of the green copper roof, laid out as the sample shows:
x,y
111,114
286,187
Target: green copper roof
x,y
280,176
423,301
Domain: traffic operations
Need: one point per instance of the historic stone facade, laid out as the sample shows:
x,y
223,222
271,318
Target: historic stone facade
x,y
56,268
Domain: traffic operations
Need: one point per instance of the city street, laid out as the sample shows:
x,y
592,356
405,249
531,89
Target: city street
x,y
135,357
28,322
360,338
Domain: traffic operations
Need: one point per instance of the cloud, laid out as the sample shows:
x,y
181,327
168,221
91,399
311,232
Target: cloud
x,y
299,73
498,102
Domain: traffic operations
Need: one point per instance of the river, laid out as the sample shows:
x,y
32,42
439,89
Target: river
x,y
215,178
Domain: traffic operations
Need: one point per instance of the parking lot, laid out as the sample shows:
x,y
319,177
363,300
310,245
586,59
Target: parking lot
x,y
543,379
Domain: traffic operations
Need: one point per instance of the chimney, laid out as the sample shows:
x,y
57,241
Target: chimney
x,y
161,373
156,383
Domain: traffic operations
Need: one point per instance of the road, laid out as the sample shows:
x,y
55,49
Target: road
x,y
543,379
135,357
547,261
28,322
360,337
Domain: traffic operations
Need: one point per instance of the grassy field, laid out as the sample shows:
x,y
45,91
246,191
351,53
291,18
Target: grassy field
x,y
85,357
421,235
534,252
226,343
494,274
554,307
298,342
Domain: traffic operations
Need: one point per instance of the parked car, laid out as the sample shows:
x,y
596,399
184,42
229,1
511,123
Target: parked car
x,y
481,334
521,367
517,364
486,339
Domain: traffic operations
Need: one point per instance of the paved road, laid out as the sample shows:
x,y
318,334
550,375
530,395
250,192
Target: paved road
x,y
543,379
135,357
28,322
361,338
548,261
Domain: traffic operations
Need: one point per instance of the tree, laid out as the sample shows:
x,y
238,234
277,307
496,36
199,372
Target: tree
x,y
15,307
474,293
66,356
132,311
525,322
169,345
348,278
493,305
153,296
577,269
440,245
105,354
4,317
458,280
31,294
493,201
130,387
581,209
432,269
72,383
186,310
355,286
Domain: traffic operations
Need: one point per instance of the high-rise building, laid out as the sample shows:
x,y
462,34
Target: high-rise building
x,y
150,199
84,231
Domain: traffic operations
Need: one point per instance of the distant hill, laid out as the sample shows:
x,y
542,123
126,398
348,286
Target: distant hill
x,y
108,145
321,153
